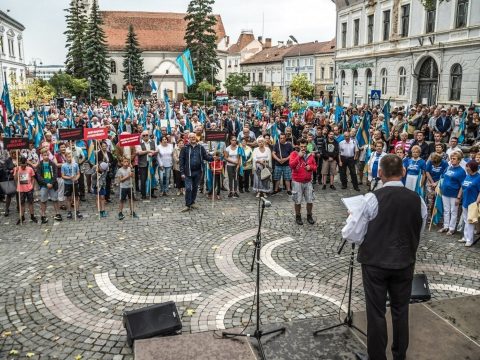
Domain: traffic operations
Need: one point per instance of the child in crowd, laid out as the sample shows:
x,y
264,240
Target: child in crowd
x,y
47,181
124,178
216,167
70,175
24,178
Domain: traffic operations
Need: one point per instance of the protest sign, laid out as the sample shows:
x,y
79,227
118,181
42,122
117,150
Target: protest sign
x,y
15,143
215,135
129,139
95,133
70,134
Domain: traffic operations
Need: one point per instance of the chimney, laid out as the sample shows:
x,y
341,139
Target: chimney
x,y
260,38
280,43
268,43
289,42
227,40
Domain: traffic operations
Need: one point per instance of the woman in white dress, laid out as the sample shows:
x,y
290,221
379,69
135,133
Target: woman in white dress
x,y
262,157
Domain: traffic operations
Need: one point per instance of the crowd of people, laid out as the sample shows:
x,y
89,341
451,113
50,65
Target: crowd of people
x,y
265,150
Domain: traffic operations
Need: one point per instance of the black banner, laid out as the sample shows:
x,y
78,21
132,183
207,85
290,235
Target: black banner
x,y
70,134
15,143
215,135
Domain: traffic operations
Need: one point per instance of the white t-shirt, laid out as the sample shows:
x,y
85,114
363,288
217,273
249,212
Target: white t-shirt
x,y
232,155
165,155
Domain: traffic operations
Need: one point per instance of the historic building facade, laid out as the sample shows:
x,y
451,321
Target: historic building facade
x,y
245,47
410,53
12,57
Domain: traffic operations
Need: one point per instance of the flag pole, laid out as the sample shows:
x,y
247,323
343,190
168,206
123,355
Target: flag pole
x,y
73,187
98,190
431,218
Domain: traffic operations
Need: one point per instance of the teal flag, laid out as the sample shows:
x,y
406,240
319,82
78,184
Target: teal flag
x,y
6,98
185,64
363,134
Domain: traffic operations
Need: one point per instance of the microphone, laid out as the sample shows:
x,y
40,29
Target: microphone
x,y
266,203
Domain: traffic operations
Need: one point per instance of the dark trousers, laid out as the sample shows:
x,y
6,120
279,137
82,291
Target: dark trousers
x,y
108,186
318,174
143,172
137,178
81,185
350,164
191,187
376,283
244,180
218,184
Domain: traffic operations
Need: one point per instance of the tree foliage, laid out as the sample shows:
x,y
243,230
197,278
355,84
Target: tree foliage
x,y
97,68
134,72
301,87
277,97
205,87
258,91
66,85
235,84
201,38
37,93
76,20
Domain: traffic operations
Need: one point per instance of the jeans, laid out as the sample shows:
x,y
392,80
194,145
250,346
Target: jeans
x,y
164,178
191,187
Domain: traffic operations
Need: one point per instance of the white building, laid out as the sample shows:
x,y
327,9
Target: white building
x,y
12,58
410,53
245,47
161,38
44,72
266,67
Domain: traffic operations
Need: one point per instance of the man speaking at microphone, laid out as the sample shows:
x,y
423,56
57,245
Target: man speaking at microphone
x,y
387,224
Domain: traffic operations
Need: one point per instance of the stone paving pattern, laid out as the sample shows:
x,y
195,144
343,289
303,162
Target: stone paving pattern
x,y
64,286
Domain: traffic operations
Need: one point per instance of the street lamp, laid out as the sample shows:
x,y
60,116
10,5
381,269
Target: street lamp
x,y
34,60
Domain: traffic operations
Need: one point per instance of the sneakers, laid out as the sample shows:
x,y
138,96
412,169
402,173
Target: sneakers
x,y
121,216
21,221
258,195
230,195
103,214
310,219
462,240
235,195
33,219
289,193
79,216
357,189
241,190
298,219
450,232
134,215
468,244
443,230
69,215
194,206
247,190
333,187
218,197
43,219
57,217
185,209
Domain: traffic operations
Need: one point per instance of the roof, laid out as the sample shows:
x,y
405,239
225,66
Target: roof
x,y
268,55
156,31
8,19
312,48
244,39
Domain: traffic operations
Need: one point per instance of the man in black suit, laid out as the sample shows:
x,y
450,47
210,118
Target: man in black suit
x,y
233,126
387,226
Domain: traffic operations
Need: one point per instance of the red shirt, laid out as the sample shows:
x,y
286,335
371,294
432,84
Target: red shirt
x,y
25,179
299,167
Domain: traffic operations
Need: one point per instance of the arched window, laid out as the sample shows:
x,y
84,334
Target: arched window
x,y
113,67
355,78
114,88
402,81
455,82
368,76
383,75
342,80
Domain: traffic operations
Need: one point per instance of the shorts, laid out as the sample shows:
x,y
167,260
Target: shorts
x,y
329,167
68,190
302,191
124,193
46,193
361,166
26,196
282,171
102,192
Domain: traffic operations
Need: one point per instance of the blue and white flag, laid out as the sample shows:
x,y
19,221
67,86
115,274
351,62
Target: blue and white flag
x,y
154,86
185,64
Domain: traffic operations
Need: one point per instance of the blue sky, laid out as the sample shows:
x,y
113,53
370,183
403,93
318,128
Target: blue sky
x,y
307,20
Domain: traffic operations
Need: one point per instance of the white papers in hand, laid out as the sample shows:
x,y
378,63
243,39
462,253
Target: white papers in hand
x,y
354,204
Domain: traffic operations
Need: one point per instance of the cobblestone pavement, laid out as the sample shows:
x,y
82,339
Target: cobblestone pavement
x,y
65,285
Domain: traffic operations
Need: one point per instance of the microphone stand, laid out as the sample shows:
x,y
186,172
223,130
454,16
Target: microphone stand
x,y
348,321
258,333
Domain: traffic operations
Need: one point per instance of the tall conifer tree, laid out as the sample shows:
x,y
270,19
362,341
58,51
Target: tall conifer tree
x,y
76,20
133,69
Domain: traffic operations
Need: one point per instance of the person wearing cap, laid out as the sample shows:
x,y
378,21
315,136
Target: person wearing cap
x,y
470,196
24,178
444,124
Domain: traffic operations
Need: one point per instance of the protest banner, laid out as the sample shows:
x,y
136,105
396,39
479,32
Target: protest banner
x,y
129,139
215,135
15,143
70,134
95,133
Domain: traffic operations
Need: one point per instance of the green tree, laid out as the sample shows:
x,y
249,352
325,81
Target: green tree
x,y
37,93
66,85
258,91
235,84
133,73
201,38
96,54
277,97
301,87
76,20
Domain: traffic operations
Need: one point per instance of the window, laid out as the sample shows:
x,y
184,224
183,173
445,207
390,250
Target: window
x,y
311,62
1,45
248,74
368,76
331,72
289,63
462,13
355,78
455,82
11,49
322,73
113,67
230,63
356,31
370,29
20,50
260,77
386,25
253,77
236,62
405,20
402,81
344,35
383,75
342,77
431,15
114,88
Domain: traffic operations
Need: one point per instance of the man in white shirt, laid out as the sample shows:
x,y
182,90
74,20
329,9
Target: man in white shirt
x,y
348,156
387,224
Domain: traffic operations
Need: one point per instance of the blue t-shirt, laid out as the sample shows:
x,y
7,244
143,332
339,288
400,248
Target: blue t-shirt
x,y
471,188
436,172
415,167
69,170
452,181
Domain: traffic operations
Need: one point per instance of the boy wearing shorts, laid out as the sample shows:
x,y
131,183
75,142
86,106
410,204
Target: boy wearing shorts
x,y
124,177
24,178
47,181
70,176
